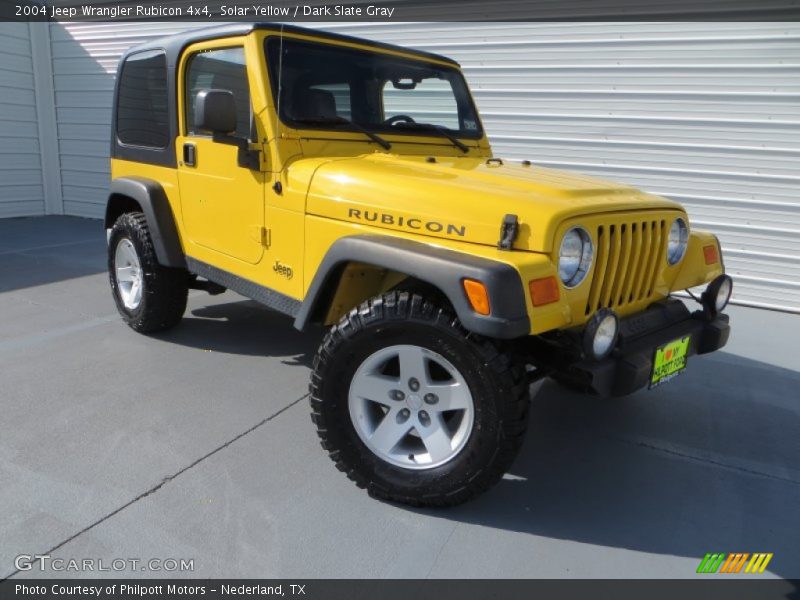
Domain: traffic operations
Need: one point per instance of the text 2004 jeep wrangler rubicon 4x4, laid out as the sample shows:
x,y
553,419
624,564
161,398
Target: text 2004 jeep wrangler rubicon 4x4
x,y
350,183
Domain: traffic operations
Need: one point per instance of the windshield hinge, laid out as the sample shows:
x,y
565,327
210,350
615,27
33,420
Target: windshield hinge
x,y
248,158
508,232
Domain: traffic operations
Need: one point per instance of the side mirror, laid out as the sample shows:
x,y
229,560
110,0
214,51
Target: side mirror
x,y
215,111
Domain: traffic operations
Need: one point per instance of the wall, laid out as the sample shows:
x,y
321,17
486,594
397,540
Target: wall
x,y
21,188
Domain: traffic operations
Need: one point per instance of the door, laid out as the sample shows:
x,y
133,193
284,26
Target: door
x,y
222,202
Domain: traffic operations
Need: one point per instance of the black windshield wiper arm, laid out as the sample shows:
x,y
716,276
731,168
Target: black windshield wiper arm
x,y
442,130
342,121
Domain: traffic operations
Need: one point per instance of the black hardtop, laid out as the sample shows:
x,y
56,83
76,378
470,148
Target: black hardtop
x,y
174,44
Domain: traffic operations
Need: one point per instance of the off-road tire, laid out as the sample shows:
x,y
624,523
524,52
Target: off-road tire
x,y
165,290
494,375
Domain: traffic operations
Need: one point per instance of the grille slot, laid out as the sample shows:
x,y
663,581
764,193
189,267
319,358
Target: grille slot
x,y
627,262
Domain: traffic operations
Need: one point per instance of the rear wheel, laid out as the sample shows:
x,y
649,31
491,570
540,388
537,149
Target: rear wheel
x,y
414,408
149,296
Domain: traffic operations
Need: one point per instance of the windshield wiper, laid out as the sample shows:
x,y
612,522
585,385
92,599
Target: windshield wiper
x,y
342,121
441,129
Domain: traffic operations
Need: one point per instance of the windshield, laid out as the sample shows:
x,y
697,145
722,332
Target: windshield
x,y
324,86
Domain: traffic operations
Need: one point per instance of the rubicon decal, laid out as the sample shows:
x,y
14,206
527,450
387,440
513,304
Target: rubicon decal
x,y
373,216
735,562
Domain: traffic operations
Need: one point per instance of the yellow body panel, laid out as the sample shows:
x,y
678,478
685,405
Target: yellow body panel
x,y
693,270
337,184
166,177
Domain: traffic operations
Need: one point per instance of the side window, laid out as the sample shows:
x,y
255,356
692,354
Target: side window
x,y
142,106
427,101
222,69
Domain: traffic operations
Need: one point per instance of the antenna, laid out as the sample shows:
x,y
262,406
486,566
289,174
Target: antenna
x,y
277,186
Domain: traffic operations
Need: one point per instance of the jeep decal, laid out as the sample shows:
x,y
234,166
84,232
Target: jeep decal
x,y
410,223
282,269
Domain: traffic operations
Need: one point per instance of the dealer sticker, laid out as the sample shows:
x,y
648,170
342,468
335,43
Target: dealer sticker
x,y
669,361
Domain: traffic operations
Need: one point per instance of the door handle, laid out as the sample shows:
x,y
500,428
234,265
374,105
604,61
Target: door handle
x,y
189,155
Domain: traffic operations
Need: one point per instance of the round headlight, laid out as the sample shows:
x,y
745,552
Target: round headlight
x,y
575,256
678,240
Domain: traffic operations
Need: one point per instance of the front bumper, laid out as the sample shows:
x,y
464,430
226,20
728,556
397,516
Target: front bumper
x,y
629,366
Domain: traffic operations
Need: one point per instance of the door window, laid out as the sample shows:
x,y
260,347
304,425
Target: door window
x,y
222,69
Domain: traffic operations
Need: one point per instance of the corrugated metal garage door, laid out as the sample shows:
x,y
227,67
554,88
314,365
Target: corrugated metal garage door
x,y
21,190
706,113
85,59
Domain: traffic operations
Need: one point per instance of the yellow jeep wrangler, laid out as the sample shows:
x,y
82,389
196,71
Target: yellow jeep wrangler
x,y
350,183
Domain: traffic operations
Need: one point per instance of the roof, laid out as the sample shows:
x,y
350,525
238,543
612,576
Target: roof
x,y
174,44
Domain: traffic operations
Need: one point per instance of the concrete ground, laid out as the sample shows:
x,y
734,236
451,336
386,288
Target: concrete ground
x,y
196,444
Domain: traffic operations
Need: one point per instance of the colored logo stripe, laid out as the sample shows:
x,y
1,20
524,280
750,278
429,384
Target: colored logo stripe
x,y
710,563
733,562
758,563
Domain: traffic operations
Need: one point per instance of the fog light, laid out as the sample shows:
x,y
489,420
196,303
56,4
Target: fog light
x,y
717,295
600,335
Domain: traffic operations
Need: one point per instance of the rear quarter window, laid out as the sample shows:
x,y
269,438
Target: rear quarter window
x,y
142,103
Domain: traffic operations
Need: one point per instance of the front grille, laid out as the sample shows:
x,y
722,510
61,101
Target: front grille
x,y
626,266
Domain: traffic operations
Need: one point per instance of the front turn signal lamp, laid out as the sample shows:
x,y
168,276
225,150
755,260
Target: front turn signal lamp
x,y
478,296
711,254
544,291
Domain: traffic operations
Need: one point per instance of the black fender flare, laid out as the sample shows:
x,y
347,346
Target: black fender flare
x,y
441,267
151,197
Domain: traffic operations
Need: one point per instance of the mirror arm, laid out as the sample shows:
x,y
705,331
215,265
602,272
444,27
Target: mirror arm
x,y
246,158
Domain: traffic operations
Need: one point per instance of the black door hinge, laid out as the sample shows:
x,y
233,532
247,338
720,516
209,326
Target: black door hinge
x,y
508,232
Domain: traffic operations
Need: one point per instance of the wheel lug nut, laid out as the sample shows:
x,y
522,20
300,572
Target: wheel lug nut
x,y
413,383
424,418
397,395
403,415
431,398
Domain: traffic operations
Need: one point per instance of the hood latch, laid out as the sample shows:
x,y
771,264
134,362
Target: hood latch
x,y
508,232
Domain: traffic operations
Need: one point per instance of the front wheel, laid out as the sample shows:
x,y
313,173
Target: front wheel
x,y
414,408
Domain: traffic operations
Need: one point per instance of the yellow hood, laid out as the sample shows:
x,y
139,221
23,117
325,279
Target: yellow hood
x,y
465,198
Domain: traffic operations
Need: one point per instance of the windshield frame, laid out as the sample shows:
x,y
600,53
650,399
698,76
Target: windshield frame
x,y
388,132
